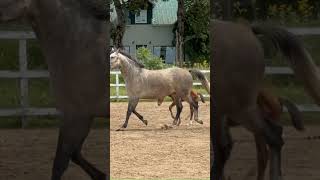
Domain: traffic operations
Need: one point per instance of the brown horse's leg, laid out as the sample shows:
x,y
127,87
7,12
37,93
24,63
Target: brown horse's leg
x,y
72,134
272,134
275,151
223,146
170,109
191,113
195,107
88,167
179,107
262,156
133,102
140,117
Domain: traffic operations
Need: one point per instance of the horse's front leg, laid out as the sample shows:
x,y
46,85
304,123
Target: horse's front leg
x,y
73,132
140,117
132,104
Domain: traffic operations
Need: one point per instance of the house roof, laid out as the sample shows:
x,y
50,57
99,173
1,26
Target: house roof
x,y
163,13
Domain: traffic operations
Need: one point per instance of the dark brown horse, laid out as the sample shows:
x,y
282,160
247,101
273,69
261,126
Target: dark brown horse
x,y
271,108
237,72
73,36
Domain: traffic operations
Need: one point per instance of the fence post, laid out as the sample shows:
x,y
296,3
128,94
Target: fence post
x,y
117,86
23,66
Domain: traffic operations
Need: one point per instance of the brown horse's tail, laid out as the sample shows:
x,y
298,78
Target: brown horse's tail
x,y
300,60
295,114
204,81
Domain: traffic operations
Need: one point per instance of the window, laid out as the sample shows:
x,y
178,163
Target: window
x,y
141,17
167,53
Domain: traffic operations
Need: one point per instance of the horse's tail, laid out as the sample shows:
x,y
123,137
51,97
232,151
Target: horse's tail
x,y
299,58
204,81
201,97
295,114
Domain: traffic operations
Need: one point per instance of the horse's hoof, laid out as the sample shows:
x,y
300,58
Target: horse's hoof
x,y
166,127
120,129
199,121
174,123
145,122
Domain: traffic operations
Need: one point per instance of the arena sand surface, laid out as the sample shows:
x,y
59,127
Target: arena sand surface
x,y
149,152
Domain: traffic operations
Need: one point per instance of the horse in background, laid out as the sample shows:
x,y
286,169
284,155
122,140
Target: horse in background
x,y
271,108
236,89
73,36
196,97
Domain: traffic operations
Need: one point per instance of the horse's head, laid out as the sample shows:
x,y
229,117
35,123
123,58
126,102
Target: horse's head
x,y
11,10
115,59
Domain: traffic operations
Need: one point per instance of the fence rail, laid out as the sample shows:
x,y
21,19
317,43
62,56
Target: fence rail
x,y
24,75
117,85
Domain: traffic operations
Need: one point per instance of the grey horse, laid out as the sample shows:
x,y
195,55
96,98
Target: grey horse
x,y
73,36
237,66
152,84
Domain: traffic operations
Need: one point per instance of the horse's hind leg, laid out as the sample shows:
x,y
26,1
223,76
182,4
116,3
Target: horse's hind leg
x,y
272,134
275,148
195,109
191,114
262,156
72,134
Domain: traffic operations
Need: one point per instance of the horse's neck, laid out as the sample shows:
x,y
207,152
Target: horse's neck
x,y
129,71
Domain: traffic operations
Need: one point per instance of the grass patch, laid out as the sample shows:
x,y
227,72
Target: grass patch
x,y
40,94
9,93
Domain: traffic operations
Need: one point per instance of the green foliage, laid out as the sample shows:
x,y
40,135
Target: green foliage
x,y
196,33
35,57
149,60
298,12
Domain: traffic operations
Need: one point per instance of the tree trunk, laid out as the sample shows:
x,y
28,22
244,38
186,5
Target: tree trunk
x,y
121,25
227,9
180,34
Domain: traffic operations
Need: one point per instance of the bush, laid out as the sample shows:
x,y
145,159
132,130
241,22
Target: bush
x,y
298,12
149,60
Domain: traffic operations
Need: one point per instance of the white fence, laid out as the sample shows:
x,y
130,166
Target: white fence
x,y
117,85
24,75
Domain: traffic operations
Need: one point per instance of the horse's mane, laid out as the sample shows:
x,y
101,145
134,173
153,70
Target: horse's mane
x,y
98,8
136,62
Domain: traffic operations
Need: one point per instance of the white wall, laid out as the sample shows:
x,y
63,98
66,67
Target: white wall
x,y
147,35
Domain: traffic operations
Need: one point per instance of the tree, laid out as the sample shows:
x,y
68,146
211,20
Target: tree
x,y
121,24
196,34
180,33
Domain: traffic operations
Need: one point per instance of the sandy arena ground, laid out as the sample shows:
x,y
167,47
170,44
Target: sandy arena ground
x,y
150,152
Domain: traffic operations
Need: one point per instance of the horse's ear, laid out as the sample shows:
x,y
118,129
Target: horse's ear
x,y
118,50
